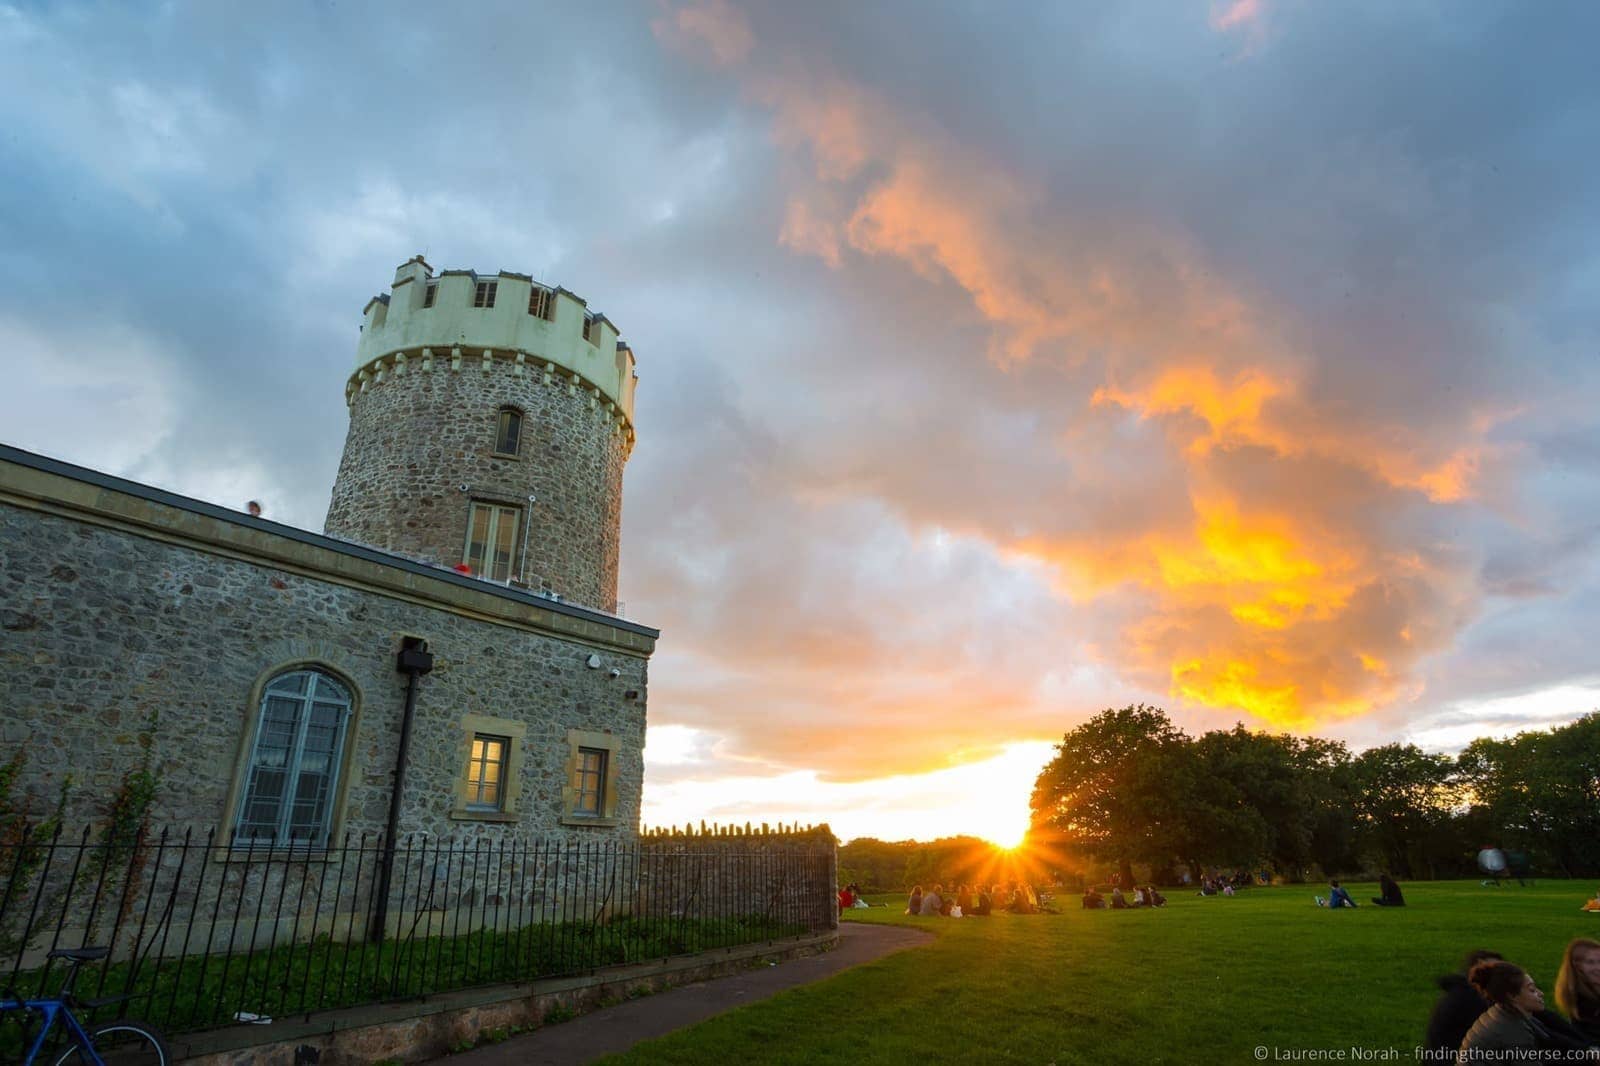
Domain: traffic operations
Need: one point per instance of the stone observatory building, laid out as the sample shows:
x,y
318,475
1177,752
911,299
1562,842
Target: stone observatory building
x,y
453,632
490,417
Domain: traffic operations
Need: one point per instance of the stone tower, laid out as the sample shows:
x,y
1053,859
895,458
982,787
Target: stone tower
x,y
490,418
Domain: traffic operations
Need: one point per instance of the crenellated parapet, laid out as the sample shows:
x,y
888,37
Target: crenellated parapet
x,y
518,364
460,321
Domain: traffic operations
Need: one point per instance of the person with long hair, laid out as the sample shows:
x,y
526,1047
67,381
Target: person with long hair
x,y
914,905
1578,986
1510,1023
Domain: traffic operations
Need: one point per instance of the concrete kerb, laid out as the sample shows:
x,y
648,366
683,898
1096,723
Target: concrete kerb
x,y
417,1030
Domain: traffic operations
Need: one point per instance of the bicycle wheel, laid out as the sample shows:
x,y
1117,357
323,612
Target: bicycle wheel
x,y
121,1044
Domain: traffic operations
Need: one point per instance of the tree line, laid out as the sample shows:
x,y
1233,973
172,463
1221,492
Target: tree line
x,y
1128,786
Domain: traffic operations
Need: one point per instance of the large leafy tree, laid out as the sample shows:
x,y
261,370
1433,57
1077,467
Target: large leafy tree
x,y
1403,800
1112,789
1539,792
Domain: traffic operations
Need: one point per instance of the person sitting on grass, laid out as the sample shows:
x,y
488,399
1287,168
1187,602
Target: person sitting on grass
x,y
984,906
1119,902
1139,898
1023,900
932,904
915,904
964,899
1389,893
1578,986
1092,900
1154,898
1516,1019
1338,896
1457,1007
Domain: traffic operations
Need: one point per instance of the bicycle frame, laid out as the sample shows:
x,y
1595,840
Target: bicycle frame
x,y
51,1009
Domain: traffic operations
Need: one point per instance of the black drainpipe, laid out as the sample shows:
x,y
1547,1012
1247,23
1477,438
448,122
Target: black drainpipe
x,y
414,661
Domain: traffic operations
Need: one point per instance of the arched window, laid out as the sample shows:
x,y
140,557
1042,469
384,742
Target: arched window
x,y
295,758
508,431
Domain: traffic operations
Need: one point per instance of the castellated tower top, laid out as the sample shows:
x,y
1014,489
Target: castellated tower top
x,y
490,420
466,313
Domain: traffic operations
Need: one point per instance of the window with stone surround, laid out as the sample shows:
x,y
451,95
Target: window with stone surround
x,y
489,784
590,795
291,776
491,540
508,431
486,772
485,293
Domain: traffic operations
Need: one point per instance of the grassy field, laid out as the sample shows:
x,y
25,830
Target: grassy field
x,y
1201,980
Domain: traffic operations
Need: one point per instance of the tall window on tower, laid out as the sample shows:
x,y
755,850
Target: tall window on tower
x,y
491,540
508,431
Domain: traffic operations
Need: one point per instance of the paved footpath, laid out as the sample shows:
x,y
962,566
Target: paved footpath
x,y
606,1032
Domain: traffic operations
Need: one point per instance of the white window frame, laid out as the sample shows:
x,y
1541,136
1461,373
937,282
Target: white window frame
x,y
339,694
540,303
484,293
497,512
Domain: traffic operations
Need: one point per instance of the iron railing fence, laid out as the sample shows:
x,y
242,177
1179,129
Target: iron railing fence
x,y
203,934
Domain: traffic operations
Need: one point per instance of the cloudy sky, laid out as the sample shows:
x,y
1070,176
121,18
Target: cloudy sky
x,y
998,364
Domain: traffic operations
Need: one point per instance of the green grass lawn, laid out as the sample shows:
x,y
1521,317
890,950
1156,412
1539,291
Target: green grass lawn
x,y
1201,980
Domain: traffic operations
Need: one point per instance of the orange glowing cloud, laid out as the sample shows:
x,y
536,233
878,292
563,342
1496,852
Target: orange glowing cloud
x,y
1280,579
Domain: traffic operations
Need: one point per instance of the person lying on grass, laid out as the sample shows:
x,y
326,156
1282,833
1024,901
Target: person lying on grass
x,y
1516,1019
1578,986
1592,904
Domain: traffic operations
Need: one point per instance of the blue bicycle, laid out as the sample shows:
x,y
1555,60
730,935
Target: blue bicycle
x,y
119,1043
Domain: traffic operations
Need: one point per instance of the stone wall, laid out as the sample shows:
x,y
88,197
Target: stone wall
x,y
114,608
416,437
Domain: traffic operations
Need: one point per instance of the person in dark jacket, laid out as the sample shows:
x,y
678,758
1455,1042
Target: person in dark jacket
x,y
1457,1008
1389,893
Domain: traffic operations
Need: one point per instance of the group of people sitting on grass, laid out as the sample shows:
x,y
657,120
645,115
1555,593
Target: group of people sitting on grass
x,y
967,901
850,897
1146,896
1494,1007
1389,895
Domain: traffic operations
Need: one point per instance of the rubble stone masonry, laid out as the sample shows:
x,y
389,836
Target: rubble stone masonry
x,y
118,602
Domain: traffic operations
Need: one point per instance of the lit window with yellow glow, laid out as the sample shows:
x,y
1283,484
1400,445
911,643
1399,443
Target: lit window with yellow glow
x,y
486,770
